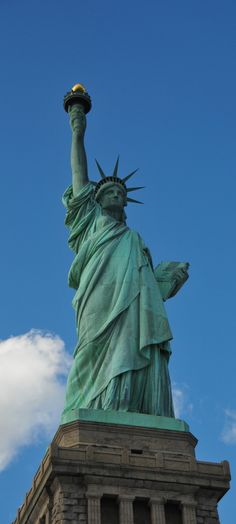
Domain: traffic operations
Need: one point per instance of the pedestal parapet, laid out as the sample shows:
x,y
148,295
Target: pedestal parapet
x,y
119,473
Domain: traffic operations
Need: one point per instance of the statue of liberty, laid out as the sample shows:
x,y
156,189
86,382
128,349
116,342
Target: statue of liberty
x,y
123,348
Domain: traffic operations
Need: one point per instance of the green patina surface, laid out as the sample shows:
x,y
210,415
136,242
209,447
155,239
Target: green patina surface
x,y
128,419
122,353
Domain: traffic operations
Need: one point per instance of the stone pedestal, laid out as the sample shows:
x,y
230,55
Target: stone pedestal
x,y
110,473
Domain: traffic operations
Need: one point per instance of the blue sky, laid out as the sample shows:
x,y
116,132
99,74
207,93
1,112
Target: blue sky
x,y
162,78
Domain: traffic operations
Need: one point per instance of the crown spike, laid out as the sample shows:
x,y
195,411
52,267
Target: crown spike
x,y
129,176
134,188
116,167
102,174
134,201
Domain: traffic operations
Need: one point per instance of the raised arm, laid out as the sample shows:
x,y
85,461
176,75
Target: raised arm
x,y
78,154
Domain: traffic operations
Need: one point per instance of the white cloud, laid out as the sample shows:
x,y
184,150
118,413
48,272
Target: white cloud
x,y
33,367
229,432
32,377
182,406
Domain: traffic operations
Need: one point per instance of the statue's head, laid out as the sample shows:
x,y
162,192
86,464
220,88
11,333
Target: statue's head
x,y
111,191
112,195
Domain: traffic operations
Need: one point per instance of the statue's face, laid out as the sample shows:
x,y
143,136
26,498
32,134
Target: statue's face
x,y
113,197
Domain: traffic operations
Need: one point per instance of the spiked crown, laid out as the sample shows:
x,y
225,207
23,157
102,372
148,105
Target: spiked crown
x,y
116,180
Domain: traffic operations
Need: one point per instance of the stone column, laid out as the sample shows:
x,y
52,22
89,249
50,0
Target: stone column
x,y
46,517
189,513
126,509
47,520
94,509
157,510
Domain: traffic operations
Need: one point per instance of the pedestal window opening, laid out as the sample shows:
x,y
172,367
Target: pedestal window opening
x,y
173,513
109,510
142,514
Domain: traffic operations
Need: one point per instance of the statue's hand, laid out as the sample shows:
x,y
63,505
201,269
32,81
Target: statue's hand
x,y
77,119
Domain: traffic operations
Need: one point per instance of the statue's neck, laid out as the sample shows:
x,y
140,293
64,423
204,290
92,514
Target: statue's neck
x,y
117,214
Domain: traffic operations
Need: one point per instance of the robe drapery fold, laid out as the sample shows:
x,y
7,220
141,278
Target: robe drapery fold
x,y
121,358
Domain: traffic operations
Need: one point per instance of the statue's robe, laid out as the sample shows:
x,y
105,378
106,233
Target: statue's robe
x,y
121,358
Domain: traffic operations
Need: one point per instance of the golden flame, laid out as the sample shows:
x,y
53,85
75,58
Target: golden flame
x,y
78,87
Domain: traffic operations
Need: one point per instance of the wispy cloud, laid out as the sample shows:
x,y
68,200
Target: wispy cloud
x,y
229,432
182,405
32,377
